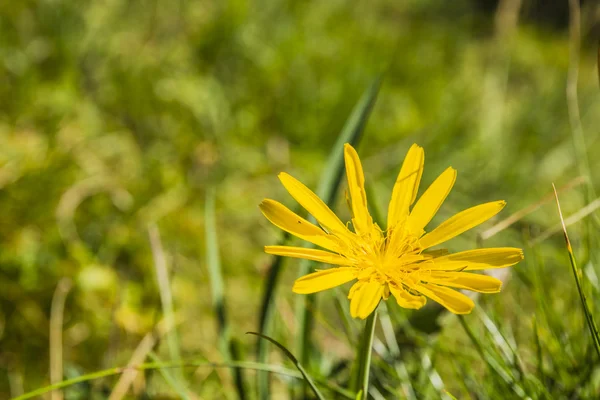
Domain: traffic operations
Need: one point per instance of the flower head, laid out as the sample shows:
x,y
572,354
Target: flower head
x,y
397,260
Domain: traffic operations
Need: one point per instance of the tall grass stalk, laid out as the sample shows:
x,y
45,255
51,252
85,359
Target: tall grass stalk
x,y
591,323
57,312
213,262
327,190
166,297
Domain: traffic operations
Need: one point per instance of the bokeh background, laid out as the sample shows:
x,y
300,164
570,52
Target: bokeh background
x,y
117,117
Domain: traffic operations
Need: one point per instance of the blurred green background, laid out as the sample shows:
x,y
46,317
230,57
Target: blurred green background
x,y
118,115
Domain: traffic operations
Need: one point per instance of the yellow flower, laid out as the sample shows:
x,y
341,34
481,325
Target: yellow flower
x,y
396,260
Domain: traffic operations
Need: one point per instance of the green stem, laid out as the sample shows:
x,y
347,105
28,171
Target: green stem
x,y
365,354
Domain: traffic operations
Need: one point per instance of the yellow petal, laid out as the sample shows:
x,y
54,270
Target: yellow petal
x,y
465,280
285,219
386,292
454,301
354,288
365,299
309,254
405,299
429,203
473,260
407,185
461,222
314,205
356,185
323,280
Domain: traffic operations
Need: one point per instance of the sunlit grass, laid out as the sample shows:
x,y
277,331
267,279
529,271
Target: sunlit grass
x,y
116,116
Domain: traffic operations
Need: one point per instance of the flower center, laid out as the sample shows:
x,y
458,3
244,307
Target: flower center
x,y
387,256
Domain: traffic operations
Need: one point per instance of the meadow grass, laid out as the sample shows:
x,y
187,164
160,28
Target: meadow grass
x,y
137,141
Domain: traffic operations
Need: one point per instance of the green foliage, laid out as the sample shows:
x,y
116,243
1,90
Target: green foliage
x,y
119,115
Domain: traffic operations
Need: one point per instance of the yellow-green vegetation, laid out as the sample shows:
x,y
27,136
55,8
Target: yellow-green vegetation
x,y
137,139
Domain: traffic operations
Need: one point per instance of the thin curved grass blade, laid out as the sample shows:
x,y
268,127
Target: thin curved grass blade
x,y
496,366
593,327
166,296
249,365
294,360
170,379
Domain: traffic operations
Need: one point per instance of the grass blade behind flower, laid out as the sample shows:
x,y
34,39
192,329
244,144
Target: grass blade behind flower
x,y
213,262
327,191
502,372
266,317
576,273
406,386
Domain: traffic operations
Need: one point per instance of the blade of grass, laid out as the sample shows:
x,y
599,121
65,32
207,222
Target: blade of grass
x,y
297,364
276,369
579,144
434,377
576,273
375,394
166,297
493,364
169,378
57,312
547,316
507,351
327,191
572,100
406,387
15,382
522,213
343,308
447,393
213,261
539,351
572,219
139,355
266,317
